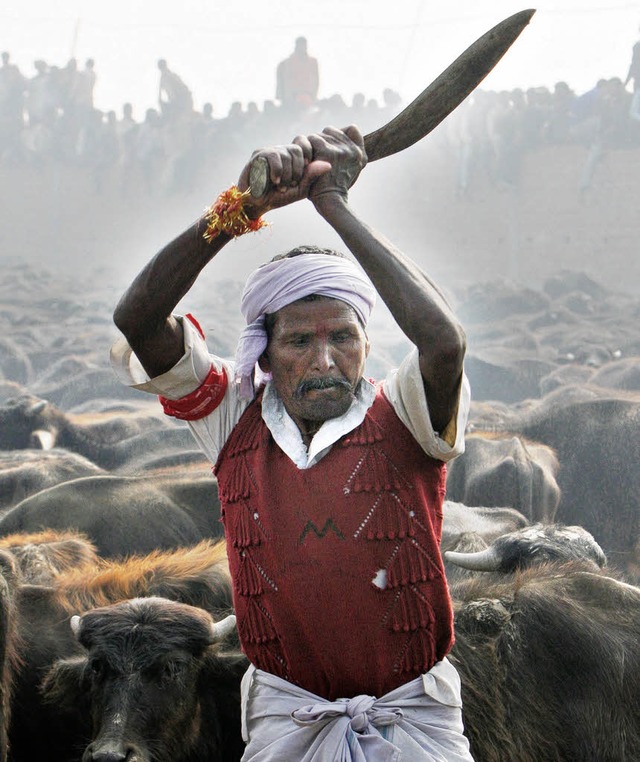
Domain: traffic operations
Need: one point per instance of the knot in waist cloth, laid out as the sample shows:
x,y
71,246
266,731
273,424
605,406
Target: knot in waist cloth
x,y
361,712
420,721
359,720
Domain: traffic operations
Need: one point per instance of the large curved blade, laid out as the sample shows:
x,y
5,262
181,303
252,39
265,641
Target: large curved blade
x,y
448,91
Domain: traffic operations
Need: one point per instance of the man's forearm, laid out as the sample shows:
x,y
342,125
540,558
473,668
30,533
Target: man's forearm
x,y
415,302
144,311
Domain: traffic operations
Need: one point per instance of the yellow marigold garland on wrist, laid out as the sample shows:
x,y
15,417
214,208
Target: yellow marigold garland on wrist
x,y
227,215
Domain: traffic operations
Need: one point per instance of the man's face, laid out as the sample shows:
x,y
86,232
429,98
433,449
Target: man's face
x,y
316,356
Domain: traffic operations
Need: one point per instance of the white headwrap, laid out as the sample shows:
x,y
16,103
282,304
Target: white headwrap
x,y
276,284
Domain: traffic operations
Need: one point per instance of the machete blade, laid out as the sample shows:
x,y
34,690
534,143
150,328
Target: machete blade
x,y
448,91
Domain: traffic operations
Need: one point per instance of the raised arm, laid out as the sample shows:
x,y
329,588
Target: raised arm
x,y
416,303
144,313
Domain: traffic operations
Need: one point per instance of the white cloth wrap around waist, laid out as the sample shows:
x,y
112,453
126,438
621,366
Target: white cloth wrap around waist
x,y
420,721
276,284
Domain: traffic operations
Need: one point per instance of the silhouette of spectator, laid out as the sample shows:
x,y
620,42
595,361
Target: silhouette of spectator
x,y
12,86
66,83
360,115
611,125
126,130
174,97
557,129
42,99
504,126
391,99
150,149
633,75
82,90
203,135
126,133
97,146
297,78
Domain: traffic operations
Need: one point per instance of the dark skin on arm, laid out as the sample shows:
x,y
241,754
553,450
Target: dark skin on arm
x,y
322,168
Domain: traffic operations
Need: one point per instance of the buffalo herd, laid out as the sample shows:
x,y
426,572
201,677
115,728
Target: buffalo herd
x,y
117,636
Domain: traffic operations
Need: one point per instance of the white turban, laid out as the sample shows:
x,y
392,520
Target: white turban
x,y
276,284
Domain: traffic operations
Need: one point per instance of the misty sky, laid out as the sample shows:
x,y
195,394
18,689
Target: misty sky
x,y
228,51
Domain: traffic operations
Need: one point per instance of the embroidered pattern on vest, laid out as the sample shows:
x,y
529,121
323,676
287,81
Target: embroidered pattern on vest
x,y
249,531
257,626
409,565
241,485
375,472
329,526
388,518
252,580
248,437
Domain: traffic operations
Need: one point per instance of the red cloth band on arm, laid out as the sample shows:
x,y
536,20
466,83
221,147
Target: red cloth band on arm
x,y
204,400
194,322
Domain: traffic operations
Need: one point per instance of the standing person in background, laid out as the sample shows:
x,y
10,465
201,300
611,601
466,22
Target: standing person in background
x,y
633,75
331,486
297,79
174,97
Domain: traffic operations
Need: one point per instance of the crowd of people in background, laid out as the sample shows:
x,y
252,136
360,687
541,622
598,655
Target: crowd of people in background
x,y
50,116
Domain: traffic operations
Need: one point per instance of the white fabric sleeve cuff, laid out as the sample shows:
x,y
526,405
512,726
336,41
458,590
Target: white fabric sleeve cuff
x,y
185,376
404,388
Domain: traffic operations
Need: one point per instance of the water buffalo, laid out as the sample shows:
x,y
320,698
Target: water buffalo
x,y
506,471
40,729
25,472
547,658
549,664
9,655
110,440
153,683
40,557
596,442
534,545
123,515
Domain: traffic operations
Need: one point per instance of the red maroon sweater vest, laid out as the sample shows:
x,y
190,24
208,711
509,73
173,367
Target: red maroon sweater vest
x,y
305,547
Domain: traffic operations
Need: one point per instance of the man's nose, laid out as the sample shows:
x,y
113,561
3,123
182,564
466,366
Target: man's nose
x,y
323,356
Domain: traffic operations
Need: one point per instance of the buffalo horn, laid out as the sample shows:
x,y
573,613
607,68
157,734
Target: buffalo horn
x,y
75,624
43,440
224,627
482,560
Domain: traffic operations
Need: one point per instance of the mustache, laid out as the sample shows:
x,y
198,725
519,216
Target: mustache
x,y
313,384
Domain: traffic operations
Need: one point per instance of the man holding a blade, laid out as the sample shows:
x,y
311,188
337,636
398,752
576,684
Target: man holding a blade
x,y
331,486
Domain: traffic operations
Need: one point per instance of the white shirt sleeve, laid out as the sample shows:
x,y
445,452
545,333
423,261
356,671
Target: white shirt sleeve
x,y
404,388
185,377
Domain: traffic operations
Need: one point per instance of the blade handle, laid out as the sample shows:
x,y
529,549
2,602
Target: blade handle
x,y
259,181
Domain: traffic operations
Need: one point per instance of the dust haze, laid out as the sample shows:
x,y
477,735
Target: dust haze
x,y
517,184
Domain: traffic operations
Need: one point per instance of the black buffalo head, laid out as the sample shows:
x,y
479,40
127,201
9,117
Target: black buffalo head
x,y
154,683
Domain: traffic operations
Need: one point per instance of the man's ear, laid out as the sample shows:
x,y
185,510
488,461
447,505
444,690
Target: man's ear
x,y
263,362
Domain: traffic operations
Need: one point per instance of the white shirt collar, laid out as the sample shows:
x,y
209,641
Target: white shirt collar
x,y
288,437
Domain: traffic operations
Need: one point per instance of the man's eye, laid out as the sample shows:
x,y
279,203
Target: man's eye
x,y
300,341
340,338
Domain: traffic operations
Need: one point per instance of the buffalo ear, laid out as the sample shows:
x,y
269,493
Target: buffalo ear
x,y
227,667
63,683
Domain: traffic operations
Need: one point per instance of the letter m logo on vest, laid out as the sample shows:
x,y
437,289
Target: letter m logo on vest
x,y
329,525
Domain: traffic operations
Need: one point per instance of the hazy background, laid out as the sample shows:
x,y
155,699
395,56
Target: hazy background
x,y
227,51
53,216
